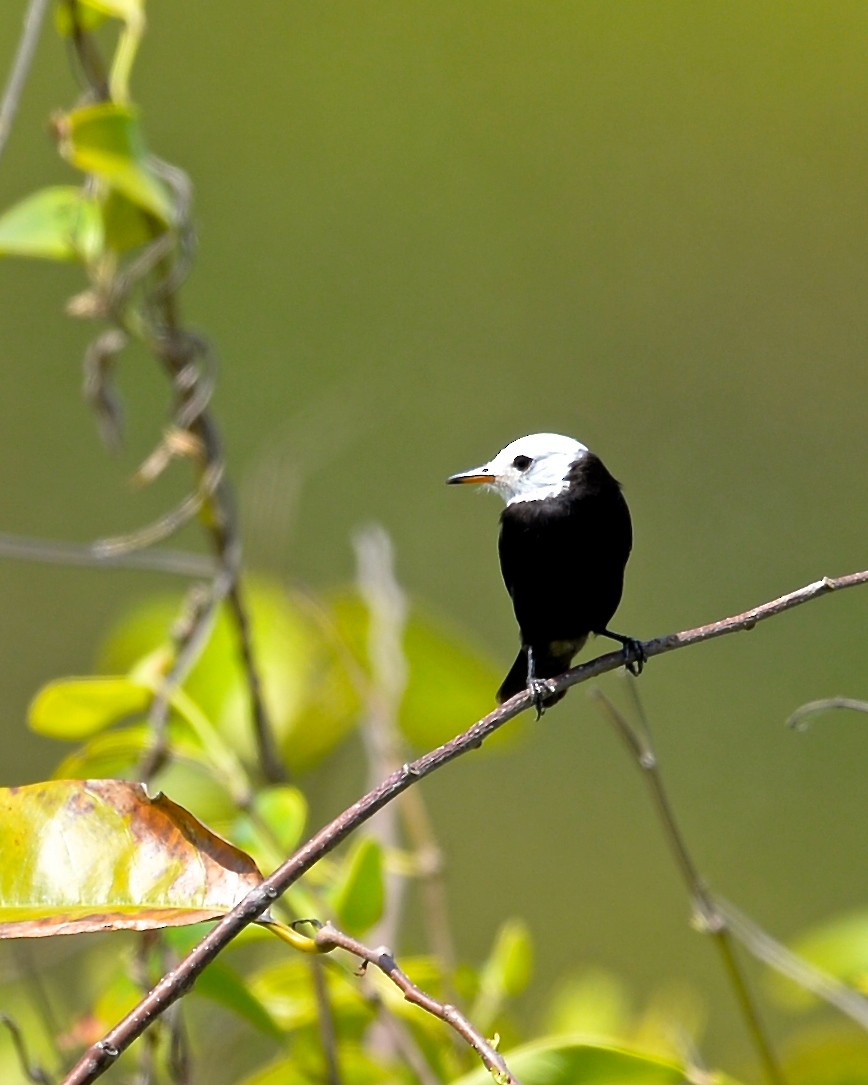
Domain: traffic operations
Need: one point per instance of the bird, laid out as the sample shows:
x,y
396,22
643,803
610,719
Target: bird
x,y
565,537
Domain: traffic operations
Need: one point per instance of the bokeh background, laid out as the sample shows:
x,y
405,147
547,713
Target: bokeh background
x,y
425,229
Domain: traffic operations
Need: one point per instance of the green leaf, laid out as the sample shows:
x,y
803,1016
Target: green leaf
x,y
105,139
305,674
450,681
566,1062
357,1066
358,897
99,855
509,966
129,11
274,827
228,988
77,708
125,224
57,223
839,947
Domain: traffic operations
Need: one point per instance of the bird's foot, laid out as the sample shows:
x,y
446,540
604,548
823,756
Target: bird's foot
x,y
540,690
634,652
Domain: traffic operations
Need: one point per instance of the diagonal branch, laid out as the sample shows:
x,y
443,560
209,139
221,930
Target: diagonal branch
x,y
99,1057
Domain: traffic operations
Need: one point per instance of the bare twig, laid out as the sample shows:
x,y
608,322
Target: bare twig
x,y
33,20
326,1022
798,720
31,1071
708,917
386,749
94,555
191,633
329,937
760,943
97,1059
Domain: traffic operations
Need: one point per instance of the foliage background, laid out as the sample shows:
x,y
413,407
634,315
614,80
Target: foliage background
x,y
425,229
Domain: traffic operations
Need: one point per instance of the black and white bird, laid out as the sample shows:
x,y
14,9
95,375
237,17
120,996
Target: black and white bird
x,y
565,537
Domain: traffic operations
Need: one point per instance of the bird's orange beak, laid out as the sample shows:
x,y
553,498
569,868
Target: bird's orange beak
x,y
477,475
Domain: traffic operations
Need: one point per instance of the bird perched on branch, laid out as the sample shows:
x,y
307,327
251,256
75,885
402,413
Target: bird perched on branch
x,y
565,537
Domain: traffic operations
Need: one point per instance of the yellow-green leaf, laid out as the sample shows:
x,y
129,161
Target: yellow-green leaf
x,y
358,897
509,966
57,223
97,855
77,708
105,139
567,1061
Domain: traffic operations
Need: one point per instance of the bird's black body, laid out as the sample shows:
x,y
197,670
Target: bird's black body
x,y
563,560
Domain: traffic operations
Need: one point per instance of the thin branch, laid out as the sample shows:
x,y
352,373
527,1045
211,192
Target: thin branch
x,y
94,555
100,1056
326,1022
708,916
328,937
33,20
30,1070
187,360
191,633
852,1003
798,720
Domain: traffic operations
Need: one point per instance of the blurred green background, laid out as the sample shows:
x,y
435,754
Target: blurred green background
x,y
425,229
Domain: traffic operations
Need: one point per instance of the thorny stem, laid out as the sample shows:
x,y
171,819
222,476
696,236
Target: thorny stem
x,y
707,913
100,1056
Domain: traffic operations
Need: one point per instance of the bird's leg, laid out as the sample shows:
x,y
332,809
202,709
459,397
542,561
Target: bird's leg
x,y
536,686
634,653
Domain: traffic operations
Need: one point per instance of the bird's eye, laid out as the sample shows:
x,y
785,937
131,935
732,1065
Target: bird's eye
x,y
522,462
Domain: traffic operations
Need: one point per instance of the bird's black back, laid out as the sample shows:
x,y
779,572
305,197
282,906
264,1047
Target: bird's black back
x,y
563,558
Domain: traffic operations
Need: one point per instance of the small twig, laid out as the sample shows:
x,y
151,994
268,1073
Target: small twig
x,y
93,555
326,1021
708,916
31,1071
33,20
97,1059
328,937
191,634
388,609
848,1001
798,719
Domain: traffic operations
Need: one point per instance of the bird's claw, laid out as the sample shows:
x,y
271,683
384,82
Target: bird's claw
x,y
539,689
634,656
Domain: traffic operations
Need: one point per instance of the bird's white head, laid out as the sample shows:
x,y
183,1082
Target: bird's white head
x,y
530,469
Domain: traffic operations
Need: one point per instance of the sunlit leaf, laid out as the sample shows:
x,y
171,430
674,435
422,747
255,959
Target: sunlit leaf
x,y
102,855
58,223
285,988
275,824
105,139
76,708
508,968
450,682
310,696
839,947
127,10
593,1002
357,1066
358,897
566,1062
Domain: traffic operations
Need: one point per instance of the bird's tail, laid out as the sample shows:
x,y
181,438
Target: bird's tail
x,y
547,664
